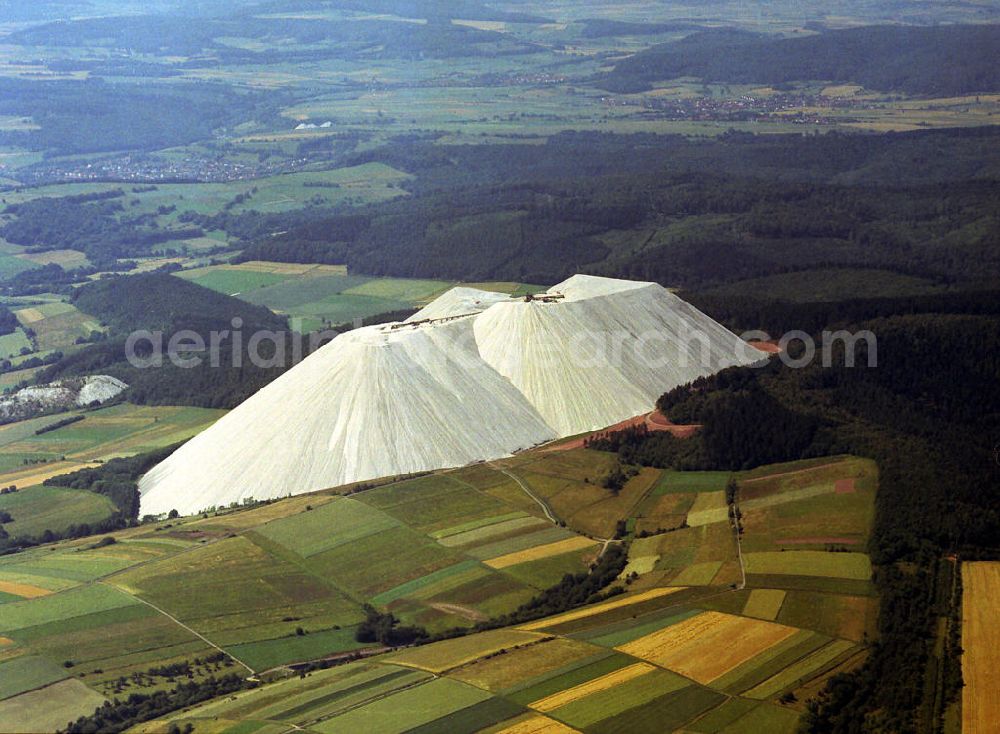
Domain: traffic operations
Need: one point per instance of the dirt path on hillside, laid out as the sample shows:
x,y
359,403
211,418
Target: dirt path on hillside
x,y
527,490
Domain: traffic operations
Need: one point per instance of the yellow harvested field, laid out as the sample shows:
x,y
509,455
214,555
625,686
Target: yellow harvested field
x,y
541,551
27,591
841,90
641,566
29,315
537,724
981,647
708,507
764,603
709,645
31,477
246,519
448,654
5,641
611,680
502,672
622,601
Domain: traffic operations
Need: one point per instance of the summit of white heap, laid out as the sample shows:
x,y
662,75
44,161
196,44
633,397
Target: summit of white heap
x,y
600,350
474,375
459,301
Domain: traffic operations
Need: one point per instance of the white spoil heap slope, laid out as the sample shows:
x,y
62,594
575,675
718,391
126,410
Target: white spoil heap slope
x,y
458,301
604,351
494,376
373,402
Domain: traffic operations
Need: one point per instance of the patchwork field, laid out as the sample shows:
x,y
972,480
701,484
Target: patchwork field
x,y
685,646
57,325
27,459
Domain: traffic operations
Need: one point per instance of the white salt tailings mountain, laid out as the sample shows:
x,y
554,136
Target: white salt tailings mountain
x,y
373,402
604,352
474,375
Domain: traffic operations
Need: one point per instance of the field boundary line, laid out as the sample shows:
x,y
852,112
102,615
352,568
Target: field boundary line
x,y
373,699
179,623
527,490
793,472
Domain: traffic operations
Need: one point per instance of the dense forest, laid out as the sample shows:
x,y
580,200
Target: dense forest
x,y
937,60
94,115
929,414
923,204
164,303
96,224
160,301
371,38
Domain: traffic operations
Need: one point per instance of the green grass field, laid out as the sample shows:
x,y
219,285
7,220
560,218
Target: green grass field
x,y
407,709
37,509
810,563
12,344
58,607
268,654
57,325
26,459
691,481
316,296
48,708
324,528
24,673
231,282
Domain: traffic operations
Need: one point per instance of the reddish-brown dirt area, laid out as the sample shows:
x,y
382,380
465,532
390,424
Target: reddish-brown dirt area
x,y
769,347
844,486
654,421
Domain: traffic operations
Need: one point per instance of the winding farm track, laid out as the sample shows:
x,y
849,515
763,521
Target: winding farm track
x,y
527,490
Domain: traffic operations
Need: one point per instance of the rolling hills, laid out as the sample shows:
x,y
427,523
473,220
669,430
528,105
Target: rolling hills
x,y
942,60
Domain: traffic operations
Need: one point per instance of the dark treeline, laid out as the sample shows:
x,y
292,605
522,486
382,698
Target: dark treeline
x,y
776,317
928,414
8,321
119,715
941,60
116,479
16,543
899,202
60,424
159,301
99,226
372,38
